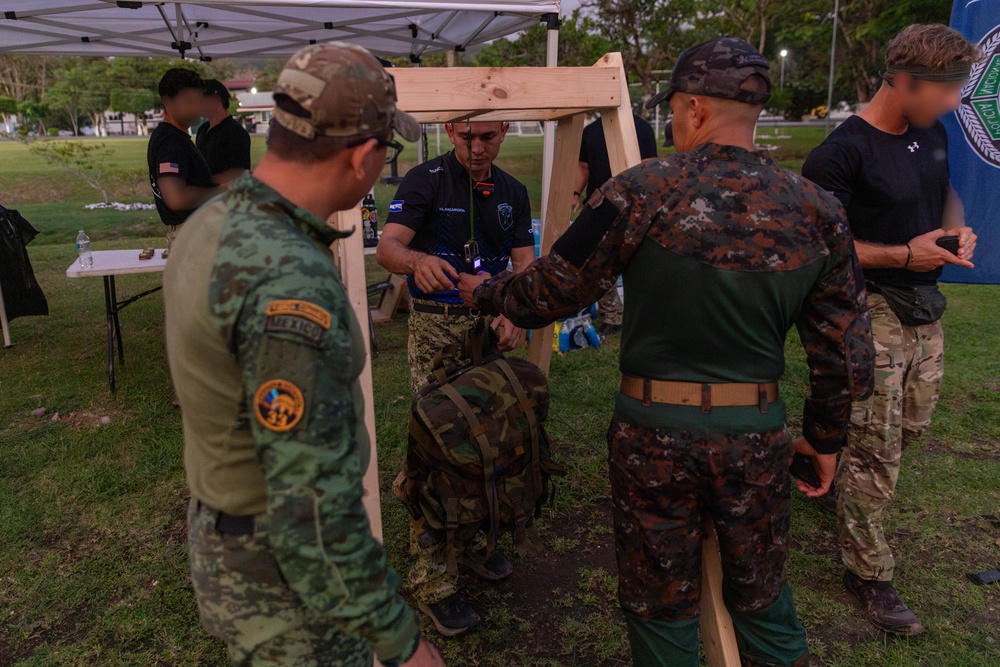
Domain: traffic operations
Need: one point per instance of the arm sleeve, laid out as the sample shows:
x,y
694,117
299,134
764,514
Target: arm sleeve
x,y
413,203
170,160
835,329
584,263
300,376
833,167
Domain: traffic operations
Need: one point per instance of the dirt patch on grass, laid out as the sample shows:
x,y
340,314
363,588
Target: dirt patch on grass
x,y
986,450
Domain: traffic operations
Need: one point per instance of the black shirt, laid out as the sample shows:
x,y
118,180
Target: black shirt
x,y
894,187
594,150
172,154
225,146
433,200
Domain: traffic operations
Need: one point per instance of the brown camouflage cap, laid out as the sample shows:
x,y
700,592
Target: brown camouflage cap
x,y
346,92
717,68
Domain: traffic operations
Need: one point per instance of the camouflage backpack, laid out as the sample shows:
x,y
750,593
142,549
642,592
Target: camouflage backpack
x,y
478,458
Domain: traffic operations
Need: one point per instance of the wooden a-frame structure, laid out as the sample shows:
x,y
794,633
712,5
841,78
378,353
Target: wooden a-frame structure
x,y
562,95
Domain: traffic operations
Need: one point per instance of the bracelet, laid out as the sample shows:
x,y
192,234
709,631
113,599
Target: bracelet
x,y
909,256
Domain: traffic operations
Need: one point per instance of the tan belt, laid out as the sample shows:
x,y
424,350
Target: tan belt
x,y
707,395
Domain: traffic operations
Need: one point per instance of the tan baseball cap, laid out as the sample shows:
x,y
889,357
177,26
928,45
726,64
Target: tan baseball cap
x,y
346,92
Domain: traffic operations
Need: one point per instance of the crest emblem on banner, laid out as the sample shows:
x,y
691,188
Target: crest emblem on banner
x,y
979,114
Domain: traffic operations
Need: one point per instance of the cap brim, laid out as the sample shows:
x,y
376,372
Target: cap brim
x,y
659,97
406,126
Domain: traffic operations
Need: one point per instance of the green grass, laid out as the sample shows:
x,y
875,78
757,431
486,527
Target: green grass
x,y
93,568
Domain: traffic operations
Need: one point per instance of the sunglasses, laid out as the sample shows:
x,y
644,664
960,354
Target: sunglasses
x,y
393,147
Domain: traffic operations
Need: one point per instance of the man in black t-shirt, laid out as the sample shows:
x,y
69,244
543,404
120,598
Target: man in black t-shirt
x,y
594,171
221,138
888,165
440,208
178,173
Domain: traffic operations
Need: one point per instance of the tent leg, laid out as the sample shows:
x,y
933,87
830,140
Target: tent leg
x,y
3,322
557,207
548,137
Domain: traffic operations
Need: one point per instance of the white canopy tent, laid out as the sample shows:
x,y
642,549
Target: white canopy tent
x,y
207,29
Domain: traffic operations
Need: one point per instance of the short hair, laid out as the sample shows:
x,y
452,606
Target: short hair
x,y
932,45
292,147
176,79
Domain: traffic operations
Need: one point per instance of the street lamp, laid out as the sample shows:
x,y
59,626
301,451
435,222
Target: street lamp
x,y
784,52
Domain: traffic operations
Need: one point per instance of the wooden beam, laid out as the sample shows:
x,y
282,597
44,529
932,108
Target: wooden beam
x,y
717,634
349,253
619,126
569,132
485,115
434,89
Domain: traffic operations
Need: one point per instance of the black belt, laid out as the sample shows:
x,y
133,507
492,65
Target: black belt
x,y
443,309
231,524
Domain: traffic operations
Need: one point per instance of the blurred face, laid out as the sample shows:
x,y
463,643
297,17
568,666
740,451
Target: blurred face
x,y
484,139
186,107
923,102
211,106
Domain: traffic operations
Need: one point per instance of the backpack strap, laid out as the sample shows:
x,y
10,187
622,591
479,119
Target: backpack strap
x,y
478,431
527,406
437,364
450,526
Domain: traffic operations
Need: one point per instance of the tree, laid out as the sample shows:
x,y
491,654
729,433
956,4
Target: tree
x,y
579,46
85,160
82,88
136,101
8,108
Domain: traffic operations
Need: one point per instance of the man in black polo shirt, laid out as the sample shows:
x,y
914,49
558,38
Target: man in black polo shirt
x,y
594,171
178,174
426,232
888,165
221,139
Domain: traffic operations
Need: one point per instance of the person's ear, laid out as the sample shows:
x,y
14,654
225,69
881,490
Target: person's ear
x,y
361,159
696,112
503,130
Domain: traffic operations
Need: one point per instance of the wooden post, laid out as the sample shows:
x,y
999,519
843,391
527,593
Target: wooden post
x,y
349,255
4,325
569,131
717,634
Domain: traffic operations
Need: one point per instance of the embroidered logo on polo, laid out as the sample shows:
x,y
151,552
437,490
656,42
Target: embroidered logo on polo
x,y
979,113
279,405
914,147
506,213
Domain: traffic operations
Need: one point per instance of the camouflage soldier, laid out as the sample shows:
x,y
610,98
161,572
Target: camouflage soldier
x,y
889,167
698,432
265,355
445,208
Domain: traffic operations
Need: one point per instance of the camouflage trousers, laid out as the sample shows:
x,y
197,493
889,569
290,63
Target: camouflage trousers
x,y
429,580
610,307
908,369
429,332
244,600
172,232
665,485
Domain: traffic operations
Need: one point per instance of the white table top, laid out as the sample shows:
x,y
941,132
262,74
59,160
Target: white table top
x,y
116,263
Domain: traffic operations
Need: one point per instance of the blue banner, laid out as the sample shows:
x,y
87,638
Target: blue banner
x,y
974,141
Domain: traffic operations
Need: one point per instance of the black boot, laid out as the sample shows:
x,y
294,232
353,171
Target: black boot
x,y
494,568
885,610
452,615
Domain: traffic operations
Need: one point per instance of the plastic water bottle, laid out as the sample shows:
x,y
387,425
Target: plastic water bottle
x,y
83,247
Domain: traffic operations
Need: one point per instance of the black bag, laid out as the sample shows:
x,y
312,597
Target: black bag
x,y
915,305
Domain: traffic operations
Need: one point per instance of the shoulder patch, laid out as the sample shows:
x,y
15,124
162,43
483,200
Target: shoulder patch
x,y
299,308
396,206
279,405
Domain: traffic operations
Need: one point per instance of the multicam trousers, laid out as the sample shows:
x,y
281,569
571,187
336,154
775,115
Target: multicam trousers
x,y
243,600
610,307
908,369
429,580
665,484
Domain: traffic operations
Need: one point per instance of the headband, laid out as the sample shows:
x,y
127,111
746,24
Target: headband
x,y
952,72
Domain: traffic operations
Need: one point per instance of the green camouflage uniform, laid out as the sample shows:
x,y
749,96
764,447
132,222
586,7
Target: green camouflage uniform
x,y
909,364
265,354
746,250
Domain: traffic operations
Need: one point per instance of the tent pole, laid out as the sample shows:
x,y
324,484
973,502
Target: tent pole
x,y
549,138
833,55
3,321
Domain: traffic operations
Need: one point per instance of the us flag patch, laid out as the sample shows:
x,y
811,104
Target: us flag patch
x,y
170,168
